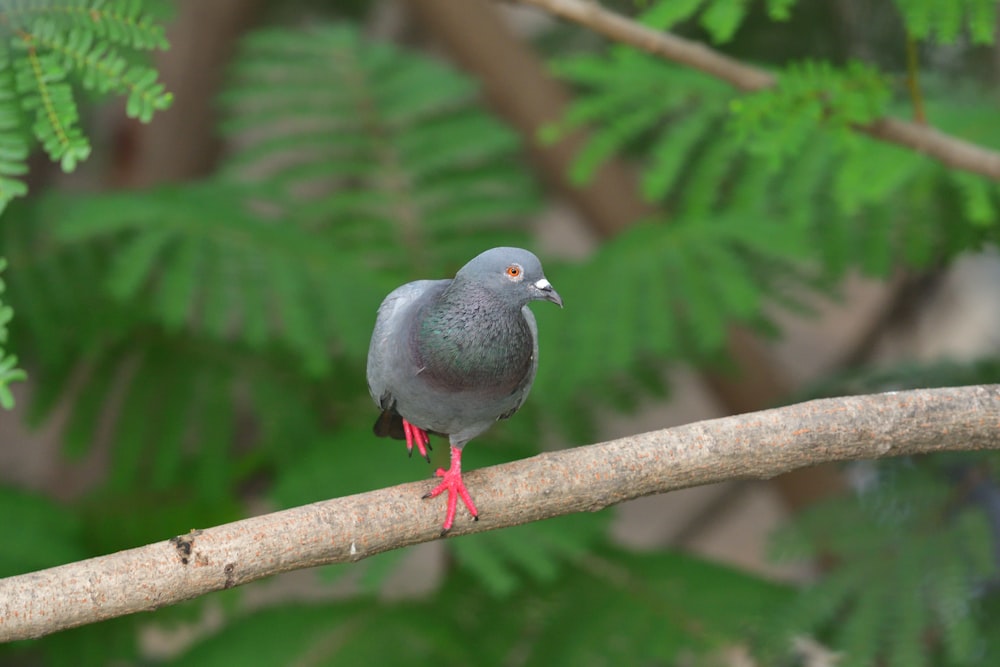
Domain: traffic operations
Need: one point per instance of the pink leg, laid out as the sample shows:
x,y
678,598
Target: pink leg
x,y
418,436
452,483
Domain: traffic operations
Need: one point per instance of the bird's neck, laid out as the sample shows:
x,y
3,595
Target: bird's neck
x,y
473,300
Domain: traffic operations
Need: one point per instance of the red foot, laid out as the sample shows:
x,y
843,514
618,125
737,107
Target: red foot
x,y
452,483
416,436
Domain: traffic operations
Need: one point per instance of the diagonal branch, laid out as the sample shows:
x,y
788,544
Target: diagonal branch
x,y
755,445
952,151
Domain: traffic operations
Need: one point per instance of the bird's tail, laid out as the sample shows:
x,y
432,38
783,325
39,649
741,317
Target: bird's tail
x,y
389,425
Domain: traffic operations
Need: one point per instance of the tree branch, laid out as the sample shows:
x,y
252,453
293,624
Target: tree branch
x,y
952,151
755,445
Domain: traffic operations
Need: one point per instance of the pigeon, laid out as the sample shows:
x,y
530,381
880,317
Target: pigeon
x,y
452,357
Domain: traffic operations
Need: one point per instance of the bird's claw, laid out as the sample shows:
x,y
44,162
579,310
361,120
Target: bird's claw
x,y
451,481
416,436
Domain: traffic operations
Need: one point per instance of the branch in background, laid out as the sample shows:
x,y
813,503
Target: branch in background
x,y
528,97
755,445
952,151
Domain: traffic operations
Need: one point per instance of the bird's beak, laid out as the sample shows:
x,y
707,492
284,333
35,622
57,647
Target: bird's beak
x,y
545,291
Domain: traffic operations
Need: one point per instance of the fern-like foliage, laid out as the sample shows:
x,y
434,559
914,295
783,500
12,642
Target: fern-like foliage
x,y
668,287
946,21
915,554
382,150
943,22
895,596
779,122
610,608
758,193
46,45
9,372
196,258
212,335
13,140
720,18
354,166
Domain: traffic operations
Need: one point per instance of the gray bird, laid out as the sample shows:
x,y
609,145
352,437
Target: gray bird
x,y
451,357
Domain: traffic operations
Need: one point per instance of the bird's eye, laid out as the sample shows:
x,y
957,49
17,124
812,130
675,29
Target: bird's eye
x,y
513,271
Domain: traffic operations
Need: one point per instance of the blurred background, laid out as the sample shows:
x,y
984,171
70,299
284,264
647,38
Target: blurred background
x,y
194,280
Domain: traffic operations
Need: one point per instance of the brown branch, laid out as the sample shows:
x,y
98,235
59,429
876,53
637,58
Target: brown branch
x,y
755,445
952,151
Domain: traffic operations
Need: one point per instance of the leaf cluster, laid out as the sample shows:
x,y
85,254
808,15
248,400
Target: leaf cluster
x,y
908,561
719,18
893,594
946,22
219,328
943,22
9,372
759,199
380,149
211,335
759,192
264,260
609,608
45,47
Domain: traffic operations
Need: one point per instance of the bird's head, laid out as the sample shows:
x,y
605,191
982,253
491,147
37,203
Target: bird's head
x,y
511,273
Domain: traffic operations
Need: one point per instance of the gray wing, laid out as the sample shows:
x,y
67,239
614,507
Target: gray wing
x,y
522,391
388,343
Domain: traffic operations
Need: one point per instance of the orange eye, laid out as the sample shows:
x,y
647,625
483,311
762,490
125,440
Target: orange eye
x,y
514,271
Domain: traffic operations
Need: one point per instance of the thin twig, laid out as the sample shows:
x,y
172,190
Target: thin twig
x,y
756,445
952,151
913,81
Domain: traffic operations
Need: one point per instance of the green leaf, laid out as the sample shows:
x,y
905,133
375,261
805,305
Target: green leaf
x,y
779,122
945,21
723,17
40,81
197,256
665,15
13,131
881,605
131,23
780,10
386,151
9,373
47,45
979,197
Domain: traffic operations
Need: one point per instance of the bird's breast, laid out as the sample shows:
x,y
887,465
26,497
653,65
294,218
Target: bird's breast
x,y
487,354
